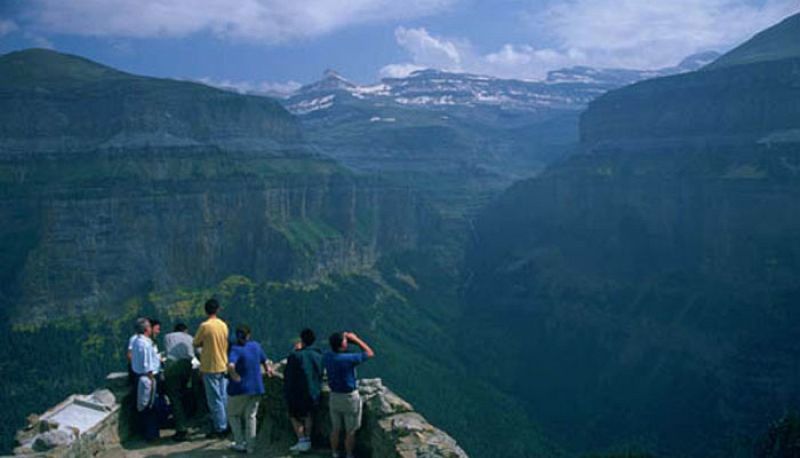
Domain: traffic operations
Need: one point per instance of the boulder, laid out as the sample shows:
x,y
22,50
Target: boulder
x,y
52,439
104,397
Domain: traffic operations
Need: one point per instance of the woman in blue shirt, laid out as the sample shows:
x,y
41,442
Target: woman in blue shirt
x,y
245,364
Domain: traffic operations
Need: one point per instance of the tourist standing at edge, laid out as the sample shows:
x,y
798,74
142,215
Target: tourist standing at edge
x,y
302,388
212,337
177,374
246,361
145,365
345,402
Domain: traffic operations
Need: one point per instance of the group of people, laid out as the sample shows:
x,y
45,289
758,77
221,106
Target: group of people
x,y
232,374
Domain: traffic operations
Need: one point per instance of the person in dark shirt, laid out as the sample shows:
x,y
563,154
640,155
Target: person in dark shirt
x,y
345,402
178,374
302,387
245,364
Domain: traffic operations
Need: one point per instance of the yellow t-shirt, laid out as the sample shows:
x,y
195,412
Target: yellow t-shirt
x,y
212,337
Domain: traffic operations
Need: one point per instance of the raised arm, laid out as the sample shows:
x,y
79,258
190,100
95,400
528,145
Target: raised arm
x,y
352,337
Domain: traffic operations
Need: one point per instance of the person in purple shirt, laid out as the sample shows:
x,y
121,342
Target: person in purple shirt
x,y
345,402
245,363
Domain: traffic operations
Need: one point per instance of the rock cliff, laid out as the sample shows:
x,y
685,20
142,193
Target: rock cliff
x,y
116,185
645,290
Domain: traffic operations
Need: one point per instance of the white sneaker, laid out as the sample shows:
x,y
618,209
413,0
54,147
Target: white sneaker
x,y
301,446
237,447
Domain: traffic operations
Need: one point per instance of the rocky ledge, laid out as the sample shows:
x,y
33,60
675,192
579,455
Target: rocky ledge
x,y
84,426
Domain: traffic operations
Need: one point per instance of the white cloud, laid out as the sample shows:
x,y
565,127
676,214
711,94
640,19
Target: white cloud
x,y
648,34
399,70
263,21
39,41
426,49
273,89
458,55
7,26
641,34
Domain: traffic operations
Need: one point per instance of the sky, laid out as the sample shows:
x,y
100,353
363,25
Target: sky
x,y
276,45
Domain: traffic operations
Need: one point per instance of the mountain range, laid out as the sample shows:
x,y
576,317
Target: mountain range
x,y
569,88
458,138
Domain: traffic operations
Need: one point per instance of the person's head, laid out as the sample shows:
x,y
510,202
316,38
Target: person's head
x,y
181,327
242,334
143,326
212,307
155,327
338,342
307,337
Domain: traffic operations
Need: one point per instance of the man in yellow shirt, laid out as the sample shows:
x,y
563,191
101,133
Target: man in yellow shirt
x,y
212,338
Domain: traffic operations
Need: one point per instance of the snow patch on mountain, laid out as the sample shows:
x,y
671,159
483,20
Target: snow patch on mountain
x,y
565,89
309,106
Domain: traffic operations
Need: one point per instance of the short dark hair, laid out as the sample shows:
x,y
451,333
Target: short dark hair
x,y
154,322
211,306
242,333
336,340
180,327
307,337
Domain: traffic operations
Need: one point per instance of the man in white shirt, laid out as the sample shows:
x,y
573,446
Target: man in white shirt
x,y
145,365
155,330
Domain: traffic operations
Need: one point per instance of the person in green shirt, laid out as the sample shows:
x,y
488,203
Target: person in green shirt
x,y
302,387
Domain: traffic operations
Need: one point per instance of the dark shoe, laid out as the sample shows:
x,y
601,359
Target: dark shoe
x,y
180,436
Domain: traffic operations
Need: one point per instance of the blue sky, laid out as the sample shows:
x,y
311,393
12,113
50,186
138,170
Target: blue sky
x,y
277,44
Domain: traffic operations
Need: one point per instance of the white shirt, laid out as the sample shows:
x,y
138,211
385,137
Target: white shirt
x,y
144,357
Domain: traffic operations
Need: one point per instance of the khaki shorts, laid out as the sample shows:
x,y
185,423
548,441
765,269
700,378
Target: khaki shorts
x,y
346,411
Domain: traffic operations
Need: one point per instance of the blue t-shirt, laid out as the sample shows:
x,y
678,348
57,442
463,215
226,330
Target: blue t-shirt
x,y
341,368
247,359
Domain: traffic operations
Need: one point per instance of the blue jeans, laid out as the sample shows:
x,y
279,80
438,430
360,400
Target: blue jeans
x,y
217,395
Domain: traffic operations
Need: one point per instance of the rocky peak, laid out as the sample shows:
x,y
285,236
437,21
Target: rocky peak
x,y
331,81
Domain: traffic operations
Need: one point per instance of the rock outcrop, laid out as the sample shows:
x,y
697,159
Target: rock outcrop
x,y
391,427
80,426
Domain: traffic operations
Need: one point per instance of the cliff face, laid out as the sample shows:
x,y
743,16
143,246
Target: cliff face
x,y
116,185
648,286
97,247
726,106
